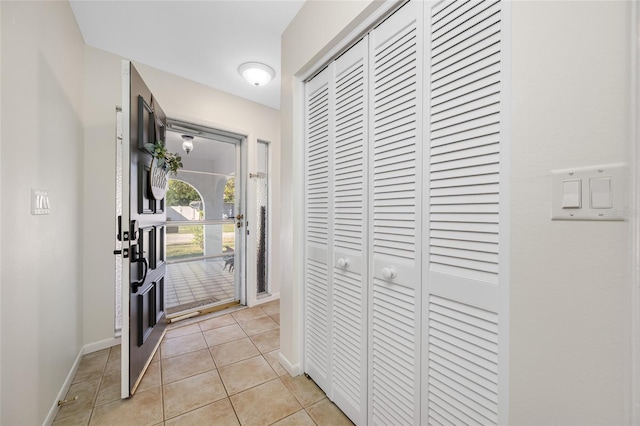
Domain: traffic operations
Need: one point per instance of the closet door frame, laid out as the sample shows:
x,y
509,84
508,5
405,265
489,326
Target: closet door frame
x,y
633,400
505,221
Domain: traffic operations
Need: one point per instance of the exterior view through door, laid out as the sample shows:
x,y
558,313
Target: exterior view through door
x,y
205,220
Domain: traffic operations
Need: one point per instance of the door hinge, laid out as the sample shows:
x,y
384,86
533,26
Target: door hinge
x,y
239,222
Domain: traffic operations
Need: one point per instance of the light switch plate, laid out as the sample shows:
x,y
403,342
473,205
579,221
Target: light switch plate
x,y
40,203
593,182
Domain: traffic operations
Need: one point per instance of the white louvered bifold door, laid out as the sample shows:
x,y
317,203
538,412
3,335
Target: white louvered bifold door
x,y
349,368
463,323
395,207
318,205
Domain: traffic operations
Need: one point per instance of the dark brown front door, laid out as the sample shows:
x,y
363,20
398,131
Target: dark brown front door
x,y
146,226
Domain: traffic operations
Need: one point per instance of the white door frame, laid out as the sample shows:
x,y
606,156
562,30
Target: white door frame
x,y
125,291
245,143
633,401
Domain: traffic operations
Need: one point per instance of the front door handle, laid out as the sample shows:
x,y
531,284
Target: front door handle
x,y
239,218
136,257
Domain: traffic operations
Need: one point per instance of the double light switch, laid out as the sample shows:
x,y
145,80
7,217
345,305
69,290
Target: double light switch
x,y
594,193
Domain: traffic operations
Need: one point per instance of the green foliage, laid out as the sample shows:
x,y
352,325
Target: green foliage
x,y
181,251
181,193
170,161
230,190
198,237
198,234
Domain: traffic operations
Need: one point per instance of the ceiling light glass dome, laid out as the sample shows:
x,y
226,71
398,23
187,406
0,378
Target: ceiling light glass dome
x,y
256,74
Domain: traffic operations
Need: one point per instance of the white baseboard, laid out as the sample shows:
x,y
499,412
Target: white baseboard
x,y
86,349
292,369
265,299
100,345
53,412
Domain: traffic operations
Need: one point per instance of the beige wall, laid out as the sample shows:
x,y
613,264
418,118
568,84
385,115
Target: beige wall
x,y
180,98
59,99
570,280
316,29
41,147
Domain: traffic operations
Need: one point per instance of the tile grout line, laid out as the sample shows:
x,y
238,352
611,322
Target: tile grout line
x,y
162,384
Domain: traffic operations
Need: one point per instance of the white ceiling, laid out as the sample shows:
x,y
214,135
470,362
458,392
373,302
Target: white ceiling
x,y
204,41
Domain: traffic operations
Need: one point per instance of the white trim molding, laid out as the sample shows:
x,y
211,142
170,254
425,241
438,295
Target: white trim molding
x,y
53,411
100,345
261,300
633,402
293,369
86,349
504,306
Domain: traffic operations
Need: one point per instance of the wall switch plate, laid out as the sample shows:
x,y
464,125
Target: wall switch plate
x,y
40,203
602,193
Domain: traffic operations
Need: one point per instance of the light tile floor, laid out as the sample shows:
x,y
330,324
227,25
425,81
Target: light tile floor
x,y
197,283
219,371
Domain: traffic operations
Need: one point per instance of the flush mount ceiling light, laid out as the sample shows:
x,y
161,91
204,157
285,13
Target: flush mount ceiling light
x,y
256,74
187,143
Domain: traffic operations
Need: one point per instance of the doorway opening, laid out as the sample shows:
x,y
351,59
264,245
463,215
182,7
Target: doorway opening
x,y
205,237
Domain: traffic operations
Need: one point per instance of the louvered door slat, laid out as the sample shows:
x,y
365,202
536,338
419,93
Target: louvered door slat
x,y
474,217
317,228
491,157
474,335
466,114
349,358
482,168
479,122
465,135
462,366
476,96
436,418
463,154
462,181
476,401
444,13
474,382
470,356
452,191
465,158
395,154
476,69
466,244
460,57
466,20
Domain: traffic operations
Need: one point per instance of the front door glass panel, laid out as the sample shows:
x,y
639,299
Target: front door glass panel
x,y
201,250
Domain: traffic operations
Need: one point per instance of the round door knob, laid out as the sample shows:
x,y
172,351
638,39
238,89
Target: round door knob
x,y
343,263
389,273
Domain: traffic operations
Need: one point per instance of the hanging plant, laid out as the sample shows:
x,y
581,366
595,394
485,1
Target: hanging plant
x,y
168,161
